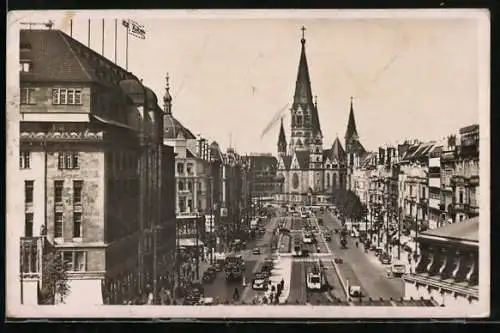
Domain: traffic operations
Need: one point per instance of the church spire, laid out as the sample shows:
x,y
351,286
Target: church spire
x,y
167,99
352,132
282,139
303,92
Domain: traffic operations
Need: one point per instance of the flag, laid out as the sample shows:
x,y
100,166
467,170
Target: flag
x,y
135,29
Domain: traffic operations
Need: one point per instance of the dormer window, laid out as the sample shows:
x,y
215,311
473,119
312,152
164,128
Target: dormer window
x,y
25,66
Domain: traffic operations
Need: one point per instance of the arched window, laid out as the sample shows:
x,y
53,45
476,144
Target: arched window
x,y
328,180
181,185
299,121
334,180
295,181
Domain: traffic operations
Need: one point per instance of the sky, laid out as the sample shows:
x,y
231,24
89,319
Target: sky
x,y
410,78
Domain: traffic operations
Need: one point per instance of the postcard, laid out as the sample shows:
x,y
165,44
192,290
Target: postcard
x,y
248,164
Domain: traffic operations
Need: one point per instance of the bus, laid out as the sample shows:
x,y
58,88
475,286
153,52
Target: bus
x,y
234,267
314,277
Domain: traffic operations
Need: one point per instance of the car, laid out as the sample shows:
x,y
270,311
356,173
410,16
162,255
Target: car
x,y
259,281
339,260
385,259
256,251
355,291
208,277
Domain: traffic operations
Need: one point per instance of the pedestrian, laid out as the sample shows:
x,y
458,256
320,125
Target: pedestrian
x,y
282,283
236,294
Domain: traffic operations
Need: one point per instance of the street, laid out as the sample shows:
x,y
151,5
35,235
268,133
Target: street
x,y
363,269
224,290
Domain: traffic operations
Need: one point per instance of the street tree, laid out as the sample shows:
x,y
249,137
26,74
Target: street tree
x,y
349,204
54,278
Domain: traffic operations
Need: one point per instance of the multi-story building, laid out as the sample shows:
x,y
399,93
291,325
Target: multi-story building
x,y
436,217
448,269
94,171
465,179
192,178
263,174
447,168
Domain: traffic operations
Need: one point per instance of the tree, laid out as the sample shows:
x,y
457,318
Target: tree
x,y
348,203
54,278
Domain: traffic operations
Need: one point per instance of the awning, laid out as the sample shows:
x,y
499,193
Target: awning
x,y
188,242
84,292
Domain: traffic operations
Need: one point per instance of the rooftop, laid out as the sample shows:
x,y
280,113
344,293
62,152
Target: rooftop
x,y
467,230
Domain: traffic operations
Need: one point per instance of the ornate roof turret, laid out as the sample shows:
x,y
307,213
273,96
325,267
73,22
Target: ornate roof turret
x,y
352,132
282,139
167,99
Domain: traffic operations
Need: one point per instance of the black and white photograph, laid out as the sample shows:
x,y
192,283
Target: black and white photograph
x,y
248,164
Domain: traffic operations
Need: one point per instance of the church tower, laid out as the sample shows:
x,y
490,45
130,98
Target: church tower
x,y
354,148
282,141
351,138
306,132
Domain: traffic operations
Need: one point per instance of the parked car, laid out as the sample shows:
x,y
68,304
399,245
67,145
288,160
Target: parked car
x,y
256,251
355,291
339,260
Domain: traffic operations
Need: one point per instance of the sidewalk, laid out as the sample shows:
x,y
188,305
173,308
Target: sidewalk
x,y
282,270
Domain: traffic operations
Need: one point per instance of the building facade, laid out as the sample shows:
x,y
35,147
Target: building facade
x,y
92,162
448,268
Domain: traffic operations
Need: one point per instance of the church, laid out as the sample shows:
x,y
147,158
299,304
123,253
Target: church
x,y
308,172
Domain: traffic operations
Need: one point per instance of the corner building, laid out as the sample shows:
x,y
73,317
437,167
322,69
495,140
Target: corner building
x,y
94,170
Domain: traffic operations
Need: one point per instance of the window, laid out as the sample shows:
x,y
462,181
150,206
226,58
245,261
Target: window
x,y
68,161
180,168
63,96
28,225
67,257
299,121
189,168
58,225
190,186
461,196
181,185
58,191
77,225
25,66
80,261
28,191
24,160
77,192
27,96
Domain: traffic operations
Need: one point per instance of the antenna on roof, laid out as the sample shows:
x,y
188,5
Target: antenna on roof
x,y
48,24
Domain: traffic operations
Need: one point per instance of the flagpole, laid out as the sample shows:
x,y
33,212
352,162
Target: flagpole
x,y
71,28
126,47
88,35
102,44
116,33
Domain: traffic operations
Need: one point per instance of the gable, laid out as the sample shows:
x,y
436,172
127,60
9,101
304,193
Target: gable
x,y
295,162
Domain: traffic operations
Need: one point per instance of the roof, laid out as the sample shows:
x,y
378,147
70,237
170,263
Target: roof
x,y
55,56
337,152
303,157
467,230
287,160
263,162
418,151
172,128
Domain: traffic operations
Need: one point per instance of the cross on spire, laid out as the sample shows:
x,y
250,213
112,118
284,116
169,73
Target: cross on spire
x,y
303,34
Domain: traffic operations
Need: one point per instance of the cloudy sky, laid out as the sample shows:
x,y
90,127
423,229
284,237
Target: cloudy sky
x,y
410,78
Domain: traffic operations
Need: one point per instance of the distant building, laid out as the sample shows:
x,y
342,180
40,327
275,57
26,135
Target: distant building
x,y
94,171
448,269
